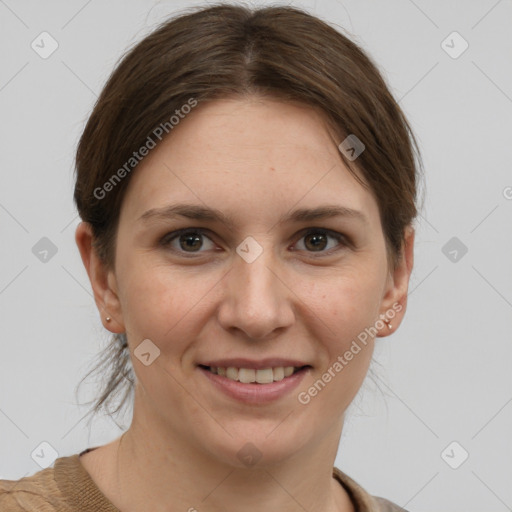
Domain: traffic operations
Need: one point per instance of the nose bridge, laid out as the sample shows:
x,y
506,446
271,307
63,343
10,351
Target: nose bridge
x,y
257,302
255,281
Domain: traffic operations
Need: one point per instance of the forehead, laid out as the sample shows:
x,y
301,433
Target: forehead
x,y
260,156
241,129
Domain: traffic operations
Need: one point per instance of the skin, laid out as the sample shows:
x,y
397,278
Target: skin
x,y
255,159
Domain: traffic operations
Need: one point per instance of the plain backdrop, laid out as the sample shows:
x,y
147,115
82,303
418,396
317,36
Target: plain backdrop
x,y
432,430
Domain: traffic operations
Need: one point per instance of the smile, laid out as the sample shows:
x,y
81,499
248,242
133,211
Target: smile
x,y
255,386
249,375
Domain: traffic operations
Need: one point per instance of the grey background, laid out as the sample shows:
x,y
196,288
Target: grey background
x,y
445,373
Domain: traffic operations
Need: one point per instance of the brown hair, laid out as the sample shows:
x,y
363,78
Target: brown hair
x,y
226,50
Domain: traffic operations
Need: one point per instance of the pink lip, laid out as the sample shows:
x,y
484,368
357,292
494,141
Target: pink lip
x,y
241,362
255,393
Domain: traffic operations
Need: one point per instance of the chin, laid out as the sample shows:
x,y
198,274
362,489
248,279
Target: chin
x,y
257,447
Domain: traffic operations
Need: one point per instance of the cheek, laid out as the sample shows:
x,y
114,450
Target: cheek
x,y
342,308
345,302
159,303
341,311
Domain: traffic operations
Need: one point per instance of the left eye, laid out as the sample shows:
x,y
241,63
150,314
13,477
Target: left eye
x,y
316,240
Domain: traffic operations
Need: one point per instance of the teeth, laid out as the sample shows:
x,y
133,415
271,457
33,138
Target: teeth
x,y
248,375
232,373
288,370
278,372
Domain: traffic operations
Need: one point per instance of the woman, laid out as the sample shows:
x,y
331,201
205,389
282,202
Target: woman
x,y
247,187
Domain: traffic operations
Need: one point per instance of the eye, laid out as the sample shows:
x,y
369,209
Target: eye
x,y
189,241
317,240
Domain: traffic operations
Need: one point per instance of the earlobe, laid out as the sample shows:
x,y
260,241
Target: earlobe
x,y
394,302
102,280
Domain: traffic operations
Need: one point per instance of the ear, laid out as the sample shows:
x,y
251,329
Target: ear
x,y
103,281
394,301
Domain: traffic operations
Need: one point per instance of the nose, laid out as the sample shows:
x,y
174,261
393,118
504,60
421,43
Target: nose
x,y
257,299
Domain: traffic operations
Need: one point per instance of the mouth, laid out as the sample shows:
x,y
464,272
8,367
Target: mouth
x,y
255,376
254,386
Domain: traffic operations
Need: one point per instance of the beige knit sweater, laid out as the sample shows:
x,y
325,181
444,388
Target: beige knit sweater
x,y
67,487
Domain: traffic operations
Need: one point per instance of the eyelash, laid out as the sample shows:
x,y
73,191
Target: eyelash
x,y
170,237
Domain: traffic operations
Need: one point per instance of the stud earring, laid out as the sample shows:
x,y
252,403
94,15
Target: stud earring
x,y
389,325
108,319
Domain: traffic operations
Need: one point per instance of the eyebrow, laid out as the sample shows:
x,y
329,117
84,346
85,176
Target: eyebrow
x,y
202,213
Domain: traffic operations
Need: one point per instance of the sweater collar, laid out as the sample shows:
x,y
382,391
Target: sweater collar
x,y
82,493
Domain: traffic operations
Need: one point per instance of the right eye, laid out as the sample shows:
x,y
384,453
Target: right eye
x,y
182,240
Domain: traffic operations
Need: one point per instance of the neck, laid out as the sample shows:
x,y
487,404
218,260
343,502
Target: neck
x,y
160,470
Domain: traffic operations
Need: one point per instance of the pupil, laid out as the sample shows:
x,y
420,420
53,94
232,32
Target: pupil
x,y
316,237
189,237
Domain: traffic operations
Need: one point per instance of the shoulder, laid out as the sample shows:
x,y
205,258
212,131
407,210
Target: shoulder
x,y
38,492
65,487
363,501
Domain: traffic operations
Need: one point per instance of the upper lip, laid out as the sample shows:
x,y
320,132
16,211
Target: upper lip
x,y
241,362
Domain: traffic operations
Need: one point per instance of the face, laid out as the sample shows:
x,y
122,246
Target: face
x,y
258,284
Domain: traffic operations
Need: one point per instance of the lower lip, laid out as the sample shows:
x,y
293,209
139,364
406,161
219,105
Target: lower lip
x,y
254,393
